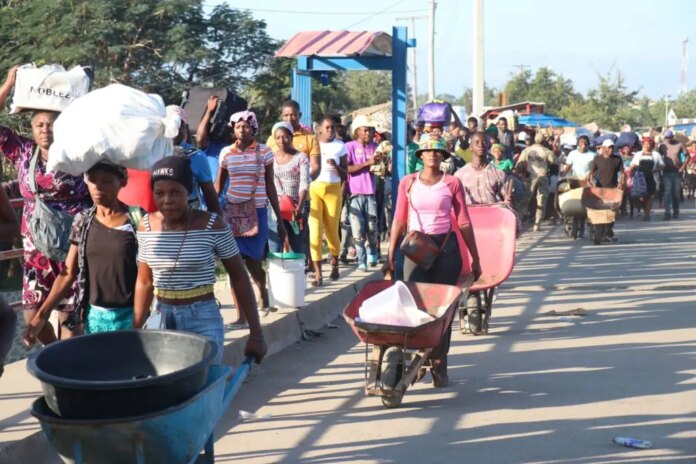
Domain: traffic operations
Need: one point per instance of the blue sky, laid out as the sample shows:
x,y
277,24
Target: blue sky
x,y
641,38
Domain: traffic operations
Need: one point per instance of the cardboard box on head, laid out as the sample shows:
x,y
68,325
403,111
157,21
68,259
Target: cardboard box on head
x,y
49,88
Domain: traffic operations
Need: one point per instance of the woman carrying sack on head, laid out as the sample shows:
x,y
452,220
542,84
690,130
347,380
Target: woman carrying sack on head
x,y
102,259
53,197
177,250
249,167
431,254
291,177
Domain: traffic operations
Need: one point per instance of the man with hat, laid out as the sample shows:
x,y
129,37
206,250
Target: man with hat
x,y
362,202
606,170
536,160
672,151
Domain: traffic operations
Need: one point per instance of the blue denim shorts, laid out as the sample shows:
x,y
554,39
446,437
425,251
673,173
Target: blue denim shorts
x,y
202,318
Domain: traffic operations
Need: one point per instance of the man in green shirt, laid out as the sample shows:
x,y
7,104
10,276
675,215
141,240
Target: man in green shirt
x,y
414,163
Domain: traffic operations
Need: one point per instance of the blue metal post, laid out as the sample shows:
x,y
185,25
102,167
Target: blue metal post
x,y
302,89
399,47
399,96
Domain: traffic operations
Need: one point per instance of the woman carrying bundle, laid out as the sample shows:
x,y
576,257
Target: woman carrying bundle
x,y
64,194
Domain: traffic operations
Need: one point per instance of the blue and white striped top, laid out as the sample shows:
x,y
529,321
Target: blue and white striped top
x,y
195,265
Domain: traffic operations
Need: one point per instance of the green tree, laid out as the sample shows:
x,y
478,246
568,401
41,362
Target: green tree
x,y
685,105
546,86
163,46
610,104
367,88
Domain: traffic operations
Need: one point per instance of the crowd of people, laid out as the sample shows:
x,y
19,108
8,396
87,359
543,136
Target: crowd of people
x,y
314,191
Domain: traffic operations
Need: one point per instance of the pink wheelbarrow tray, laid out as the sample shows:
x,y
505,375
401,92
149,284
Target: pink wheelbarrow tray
x,y
495,230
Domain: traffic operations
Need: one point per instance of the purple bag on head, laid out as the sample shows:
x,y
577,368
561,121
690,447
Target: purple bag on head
x,y
435,112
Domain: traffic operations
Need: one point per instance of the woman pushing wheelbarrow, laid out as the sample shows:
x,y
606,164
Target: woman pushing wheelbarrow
x,y
430,247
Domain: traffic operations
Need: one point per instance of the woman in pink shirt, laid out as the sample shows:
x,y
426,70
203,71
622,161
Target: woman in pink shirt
x,y
425,202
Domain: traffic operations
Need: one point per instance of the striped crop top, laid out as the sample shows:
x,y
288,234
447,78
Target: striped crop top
x,y
195,265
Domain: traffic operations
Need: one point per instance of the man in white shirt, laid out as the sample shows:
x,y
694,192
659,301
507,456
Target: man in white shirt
x,y
579,160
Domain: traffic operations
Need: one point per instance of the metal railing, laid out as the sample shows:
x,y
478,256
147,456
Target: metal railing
x,y
15,253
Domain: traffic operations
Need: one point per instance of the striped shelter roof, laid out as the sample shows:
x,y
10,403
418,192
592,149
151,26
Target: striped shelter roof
x,y
337,43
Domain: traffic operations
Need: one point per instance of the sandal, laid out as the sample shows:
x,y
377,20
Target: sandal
x,y
237,325
317,282
334,269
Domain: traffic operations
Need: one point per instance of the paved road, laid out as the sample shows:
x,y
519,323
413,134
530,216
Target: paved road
x,y
539,389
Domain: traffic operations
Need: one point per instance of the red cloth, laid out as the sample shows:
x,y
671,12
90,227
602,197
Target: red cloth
x,y
138,191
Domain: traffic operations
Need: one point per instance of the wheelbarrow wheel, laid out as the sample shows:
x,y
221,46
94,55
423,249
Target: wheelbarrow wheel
x,y
598,235
392,372
475,313
574,227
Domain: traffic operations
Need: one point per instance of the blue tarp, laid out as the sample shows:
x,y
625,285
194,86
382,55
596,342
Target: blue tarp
x,y
545,120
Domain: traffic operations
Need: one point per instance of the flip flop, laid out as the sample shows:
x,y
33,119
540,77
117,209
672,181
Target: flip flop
x,y
237,326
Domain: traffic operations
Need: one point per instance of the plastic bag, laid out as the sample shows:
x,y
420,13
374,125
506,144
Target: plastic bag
x,y
435,112
393,306
117,123
49,87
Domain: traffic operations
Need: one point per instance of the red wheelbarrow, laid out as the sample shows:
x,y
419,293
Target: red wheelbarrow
x,y
495,230
398,353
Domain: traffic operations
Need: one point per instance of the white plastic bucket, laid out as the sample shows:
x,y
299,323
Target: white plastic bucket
x,y
286,280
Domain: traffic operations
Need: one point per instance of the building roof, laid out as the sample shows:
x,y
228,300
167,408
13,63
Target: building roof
x,y
520,108
337,43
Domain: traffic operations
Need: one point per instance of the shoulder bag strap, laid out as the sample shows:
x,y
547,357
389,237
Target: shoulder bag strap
x,y
32,173
178,253
408,202
259,166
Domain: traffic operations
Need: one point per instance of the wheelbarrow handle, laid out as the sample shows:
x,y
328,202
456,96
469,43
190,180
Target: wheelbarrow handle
x,y
237,380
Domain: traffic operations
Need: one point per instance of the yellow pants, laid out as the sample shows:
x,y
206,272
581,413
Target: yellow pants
x,y
324,216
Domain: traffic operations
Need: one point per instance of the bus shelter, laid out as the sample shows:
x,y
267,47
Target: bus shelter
x,y
321,51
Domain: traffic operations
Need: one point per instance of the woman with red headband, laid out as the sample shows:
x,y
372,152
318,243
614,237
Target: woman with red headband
x,y
650,163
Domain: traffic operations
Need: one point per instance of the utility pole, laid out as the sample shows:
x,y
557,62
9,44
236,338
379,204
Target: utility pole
x,y
521,68
414,74
683,82
478,59
431,51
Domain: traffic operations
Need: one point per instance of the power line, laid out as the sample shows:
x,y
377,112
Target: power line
x,y
313,12
371,15
323,13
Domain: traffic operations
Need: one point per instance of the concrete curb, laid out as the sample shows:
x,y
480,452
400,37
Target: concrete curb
x,y
285,330
290,327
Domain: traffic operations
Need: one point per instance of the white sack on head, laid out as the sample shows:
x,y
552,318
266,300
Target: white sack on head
x,y
116,123
49,87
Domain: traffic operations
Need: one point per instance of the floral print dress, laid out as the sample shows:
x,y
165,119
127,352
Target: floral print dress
x,y
58,190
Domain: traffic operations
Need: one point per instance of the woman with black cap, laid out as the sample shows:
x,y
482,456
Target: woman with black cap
x,y
425,203
177,250
101,259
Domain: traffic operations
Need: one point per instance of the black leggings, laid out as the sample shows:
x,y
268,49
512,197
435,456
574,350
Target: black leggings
x,y
446,270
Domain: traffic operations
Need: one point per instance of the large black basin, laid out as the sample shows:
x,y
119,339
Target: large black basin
x,y
120,374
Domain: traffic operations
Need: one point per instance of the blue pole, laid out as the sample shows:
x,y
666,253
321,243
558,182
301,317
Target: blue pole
x,y
399,154
302,89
